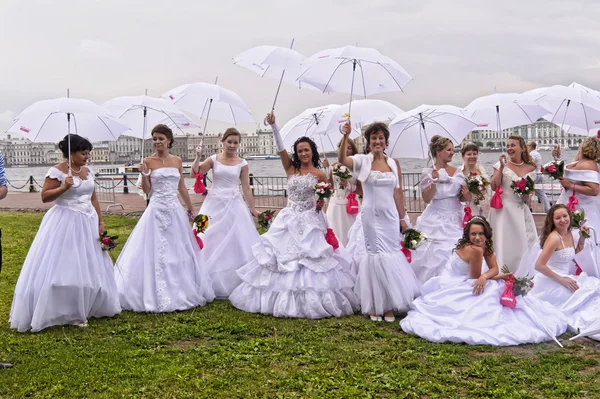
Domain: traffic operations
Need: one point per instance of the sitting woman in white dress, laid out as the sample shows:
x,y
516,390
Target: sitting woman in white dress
x,y
66,277
385,283
442,220
343,205
471,168
231,232
558,281
295,271
513,224
463,304
159,269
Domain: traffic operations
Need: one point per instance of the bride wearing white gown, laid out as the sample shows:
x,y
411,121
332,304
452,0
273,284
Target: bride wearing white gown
x,y
463,304
442,220
231,231
513,224
66,277
159,269
295,272
385,282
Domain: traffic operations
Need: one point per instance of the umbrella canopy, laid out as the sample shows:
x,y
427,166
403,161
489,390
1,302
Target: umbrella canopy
x,y
364,112
504,110
308,124
411,131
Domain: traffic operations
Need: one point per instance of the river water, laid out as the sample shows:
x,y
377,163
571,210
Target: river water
x,y
18,177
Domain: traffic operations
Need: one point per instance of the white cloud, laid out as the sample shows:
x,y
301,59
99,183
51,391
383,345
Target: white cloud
x,y
7,117
98,49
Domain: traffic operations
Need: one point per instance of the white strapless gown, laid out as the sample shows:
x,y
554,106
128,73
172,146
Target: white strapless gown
x,y
159,269
339,219
66,277
295,272
231,232
449,311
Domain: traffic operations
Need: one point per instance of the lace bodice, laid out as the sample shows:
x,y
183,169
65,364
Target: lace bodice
x,y
78,197
456,266
165,182
508,177
561,261
300,191
226,177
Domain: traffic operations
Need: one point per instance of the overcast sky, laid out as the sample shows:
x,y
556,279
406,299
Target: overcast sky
x,y
455,50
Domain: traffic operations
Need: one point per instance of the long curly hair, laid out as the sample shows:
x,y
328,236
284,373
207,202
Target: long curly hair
x,y
316,161
549,222
487,232
525,157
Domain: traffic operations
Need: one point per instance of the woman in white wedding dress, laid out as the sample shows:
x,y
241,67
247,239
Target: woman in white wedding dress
x,y
385,282
462,305
513,224
557,281
295,271
159,269
66,277
339,219
231,231
471,168
442,220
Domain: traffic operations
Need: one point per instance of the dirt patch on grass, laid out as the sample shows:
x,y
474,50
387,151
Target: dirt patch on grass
x,y
186,344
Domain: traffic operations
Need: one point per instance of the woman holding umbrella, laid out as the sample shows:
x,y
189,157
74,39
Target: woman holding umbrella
x,y
66,277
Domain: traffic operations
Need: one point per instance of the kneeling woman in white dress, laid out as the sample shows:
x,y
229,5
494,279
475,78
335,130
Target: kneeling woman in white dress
x,y
295,271
159,269
231,232
66,277
463,304
557,281
385,281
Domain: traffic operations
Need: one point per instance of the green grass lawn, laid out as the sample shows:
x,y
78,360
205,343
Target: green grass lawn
x,y
220,352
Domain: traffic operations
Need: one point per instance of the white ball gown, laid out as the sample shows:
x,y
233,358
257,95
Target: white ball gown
x,y
441,221
159,269
513,224
449,311
231,232
66,277
385,281
337,216
295,272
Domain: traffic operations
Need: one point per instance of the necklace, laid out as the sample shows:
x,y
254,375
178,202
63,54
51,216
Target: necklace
x,y
516,164
162,159
76,171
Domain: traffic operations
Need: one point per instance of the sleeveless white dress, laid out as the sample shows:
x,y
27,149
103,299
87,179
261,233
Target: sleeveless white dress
x,y
295,272
582,307
337,216
66,277
442,222
231,232
160,269
449,311
513,225
590,204
385,281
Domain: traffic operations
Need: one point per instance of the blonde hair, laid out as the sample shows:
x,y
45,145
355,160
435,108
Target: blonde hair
x,y
437,144
590,148
525,157
352,144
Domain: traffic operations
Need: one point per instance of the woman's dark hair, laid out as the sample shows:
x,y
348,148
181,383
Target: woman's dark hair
x,y
487,232
374,128
78,143
231,132
313,148
549,222
469,147
166,130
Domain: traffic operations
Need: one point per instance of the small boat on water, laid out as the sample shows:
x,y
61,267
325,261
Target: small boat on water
x,y
261,157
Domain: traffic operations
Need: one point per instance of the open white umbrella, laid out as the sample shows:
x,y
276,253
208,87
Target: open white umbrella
x,y
504,110
364,112
353,70
273,62
51,120
411,131
142,113
210,101
308,124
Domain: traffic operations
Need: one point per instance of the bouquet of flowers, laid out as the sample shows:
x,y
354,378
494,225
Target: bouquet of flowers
x,y
413,239
554,169
108,242
523,186
521,285
341,171
200,225
578,221
323,190
266,218
477,186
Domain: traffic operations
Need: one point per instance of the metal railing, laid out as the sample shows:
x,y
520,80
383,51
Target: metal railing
x,y
105,191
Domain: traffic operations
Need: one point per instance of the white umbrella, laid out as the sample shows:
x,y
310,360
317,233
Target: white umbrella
x,y
142,113
210,101
308,124
364,112
50,120
411,131
504,110
353,70
588,90
273,62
